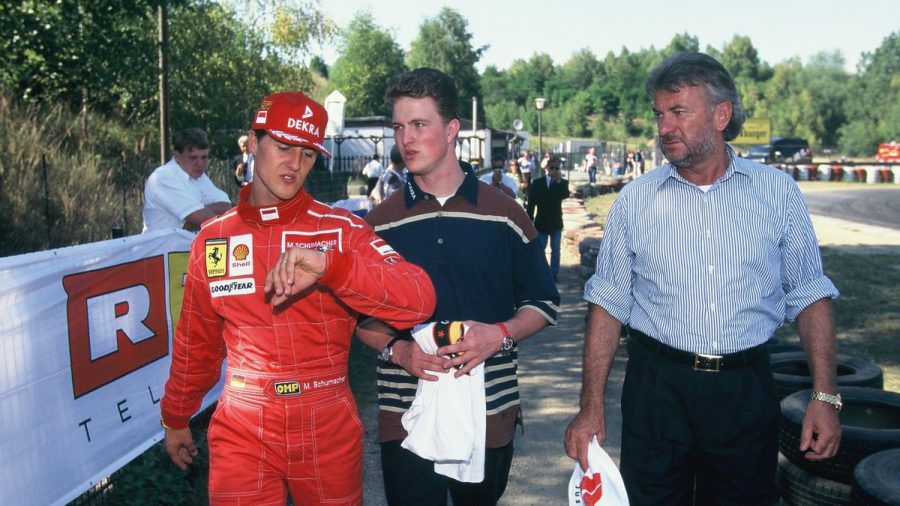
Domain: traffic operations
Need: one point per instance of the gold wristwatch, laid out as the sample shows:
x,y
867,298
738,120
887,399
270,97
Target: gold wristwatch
x,y
833,399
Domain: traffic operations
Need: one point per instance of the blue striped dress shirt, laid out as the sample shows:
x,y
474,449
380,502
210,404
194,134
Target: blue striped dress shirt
x,y
710,272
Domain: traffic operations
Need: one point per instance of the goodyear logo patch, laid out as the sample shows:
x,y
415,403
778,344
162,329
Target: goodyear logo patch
x,y
283,388
225,287
216,257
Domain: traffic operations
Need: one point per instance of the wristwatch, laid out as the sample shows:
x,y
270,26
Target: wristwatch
x,y
388,350
506,344
833,399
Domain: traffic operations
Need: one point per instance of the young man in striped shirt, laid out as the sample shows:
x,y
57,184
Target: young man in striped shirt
x,y
484,258
704,258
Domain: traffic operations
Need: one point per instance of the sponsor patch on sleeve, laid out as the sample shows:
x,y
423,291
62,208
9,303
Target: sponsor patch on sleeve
x,y
382,247
240,286
216,254
240,255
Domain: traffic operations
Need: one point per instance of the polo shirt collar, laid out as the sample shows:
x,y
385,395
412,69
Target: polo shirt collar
x,y
468,189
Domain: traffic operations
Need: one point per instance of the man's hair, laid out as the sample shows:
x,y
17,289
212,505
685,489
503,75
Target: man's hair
x,y
698,69
396,157
242,140
426,82
498,156
191,138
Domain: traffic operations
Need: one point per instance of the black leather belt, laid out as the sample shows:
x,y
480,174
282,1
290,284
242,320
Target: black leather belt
x,y
701,362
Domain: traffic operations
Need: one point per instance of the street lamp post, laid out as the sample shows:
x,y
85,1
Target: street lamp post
x,y
539,103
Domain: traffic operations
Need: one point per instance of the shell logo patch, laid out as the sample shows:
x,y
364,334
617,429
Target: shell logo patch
x,y
240,252
240,256
216,251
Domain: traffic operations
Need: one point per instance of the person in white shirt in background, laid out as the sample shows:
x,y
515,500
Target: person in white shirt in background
x,y
179,194
372,171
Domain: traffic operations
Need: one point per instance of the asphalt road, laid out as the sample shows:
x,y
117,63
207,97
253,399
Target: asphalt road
x,y
873,207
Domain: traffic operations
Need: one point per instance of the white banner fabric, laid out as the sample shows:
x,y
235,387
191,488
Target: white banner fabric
x,y
85,340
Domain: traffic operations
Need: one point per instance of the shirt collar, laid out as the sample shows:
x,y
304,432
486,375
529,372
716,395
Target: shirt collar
x,y
468,189
734,165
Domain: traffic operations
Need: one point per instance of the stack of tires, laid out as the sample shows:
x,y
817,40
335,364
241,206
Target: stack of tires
x,y
866,470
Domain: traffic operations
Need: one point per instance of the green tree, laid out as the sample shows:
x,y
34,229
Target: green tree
x,y
369,57
444,43
54,51
874,111
741,58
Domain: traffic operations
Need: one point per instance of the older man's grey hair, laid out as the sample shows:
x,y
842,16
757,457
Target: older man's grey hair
x,y
698,69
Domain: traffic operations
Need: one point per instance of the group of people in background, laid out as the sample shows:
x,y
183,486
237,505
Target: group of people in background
x,y
689,268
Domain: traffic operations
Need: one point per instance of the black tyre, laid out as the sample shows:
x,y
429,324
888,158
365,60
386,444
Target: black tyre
x,y
870,421
800,488
876,479
791,372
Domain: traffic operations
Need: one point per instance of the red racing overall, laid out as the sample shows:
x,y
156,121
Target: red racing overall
x,y
287,419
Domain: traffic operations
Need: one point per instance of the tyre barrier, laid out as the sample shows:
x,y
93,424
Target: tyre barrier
x,y
876,479
800,488
776,347
791,372
870,421
836,172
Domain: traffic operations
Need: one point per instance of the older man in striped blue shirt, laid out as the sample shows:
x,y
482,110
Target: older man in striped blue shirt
x,y
703,259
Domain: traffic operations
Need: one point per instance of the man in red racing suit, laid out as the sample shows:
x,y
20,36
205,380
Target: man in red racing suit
x,y
287,420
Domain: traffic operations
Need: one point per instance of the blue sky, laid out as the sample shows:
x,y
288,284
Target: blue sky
x,y
517,29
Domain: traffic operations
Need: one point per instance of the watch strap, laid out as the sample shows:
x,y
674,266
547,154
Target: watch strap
x,y
507,342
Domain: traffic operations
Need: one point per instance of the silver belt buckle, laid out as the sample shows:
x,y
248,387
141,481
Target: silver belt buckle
x,y
707,363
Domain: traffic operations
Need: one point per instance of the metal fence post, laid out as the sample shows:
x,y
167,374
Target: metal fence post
x,y
46,197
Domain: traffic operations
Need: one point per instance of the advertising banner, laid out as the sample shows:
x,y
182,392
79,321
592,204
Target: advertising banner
x,y
755,131
85,340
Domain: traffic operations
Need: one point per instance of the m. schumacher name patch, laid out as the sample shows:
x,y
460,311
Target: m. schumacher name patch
x,y
240,286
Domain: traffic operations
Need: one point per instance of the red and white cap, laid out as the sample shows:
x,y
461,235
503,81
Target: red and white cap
x,y
293,118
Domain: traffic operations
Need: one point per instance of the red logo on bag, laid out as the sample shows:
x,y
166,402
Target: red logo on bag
x,y
591,489
117,321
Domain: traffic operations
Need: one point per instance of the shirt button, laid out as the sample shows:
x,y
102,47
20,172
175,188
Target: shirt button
x,y
711,269
715,344
712,307
426,197
440,241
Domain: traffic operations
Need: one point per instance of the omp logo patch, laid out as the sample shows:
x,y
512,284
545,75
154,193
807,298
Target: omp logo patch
x,y
225,287
240,255
116,320
216,251
283,388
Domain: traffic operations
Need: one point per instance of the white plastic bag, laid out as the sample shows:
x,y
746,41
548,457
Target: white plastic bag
x,y
601,484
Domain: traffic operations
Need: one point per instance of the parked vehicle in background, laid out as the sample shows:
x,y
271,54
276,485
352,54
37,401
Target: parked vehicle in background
x,y
782,150
888,152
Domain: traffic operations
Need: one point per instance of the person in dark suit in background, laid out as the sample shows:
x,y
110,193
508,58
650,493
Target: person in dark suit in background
x,y
546,194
